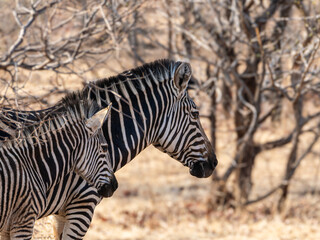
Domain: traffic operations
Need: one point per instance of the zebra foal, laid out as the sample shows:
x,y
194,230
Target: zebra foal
x,y
35,163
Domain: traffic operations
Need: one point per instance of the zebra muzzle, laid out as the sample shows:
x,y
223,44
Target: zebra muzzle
x,y
108,189
201,169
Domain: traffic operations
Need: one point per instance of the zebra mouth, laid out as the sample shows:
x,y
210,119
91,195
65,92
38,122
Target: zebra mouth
x,y
201,169
108,189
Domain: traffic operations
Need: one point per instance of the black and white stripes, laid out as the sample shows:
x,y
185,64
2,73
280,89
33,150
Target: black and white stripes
x,y
154,108
150,106
43,154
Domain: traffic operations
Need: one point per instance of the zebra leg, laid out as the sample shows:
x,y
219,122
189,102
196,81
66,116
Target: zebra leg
x,y
79,212
4,236
26,235
77,225
58,226
78,219
71,231
22,233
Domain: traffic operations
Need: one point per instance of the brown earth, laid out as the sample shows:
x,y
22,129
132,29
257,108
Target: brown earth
x,y
158,199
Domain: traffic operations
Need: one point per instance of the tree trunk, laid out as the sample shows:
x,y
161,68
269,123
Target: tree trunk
x,y
245,154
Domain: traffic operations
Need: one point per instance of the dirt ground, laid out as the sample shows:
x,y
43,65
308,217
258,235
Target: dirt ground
x,y
158,199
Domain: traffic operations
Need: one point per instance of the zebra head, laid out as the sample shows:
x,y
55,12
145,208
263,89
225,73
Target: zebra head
x,y
181,134
95,165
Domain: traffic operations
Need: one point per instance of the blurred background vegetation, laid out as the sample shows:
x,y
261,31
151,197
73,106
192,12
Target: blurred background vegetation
x,y
256,63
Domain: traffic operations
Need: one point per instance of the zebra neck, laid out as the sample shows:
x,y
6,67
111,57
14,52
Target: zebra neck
x,y
53,153
42,168
135,119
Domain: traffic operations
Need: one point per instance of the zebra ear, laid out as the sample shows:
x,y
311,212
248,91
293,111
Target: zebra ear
x,y
96,121
182,76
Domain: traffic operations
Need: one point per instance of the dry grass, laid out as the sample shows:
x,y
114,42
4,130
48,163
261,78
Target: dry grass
x,y
158,199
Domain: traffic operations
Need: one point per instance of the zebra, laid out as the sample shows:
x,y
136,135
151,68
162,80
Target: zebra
x,y
151,106
35,162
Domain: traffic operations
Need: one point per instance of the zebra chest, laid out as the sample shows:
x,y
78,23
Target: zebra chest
x,y
37,191
21,198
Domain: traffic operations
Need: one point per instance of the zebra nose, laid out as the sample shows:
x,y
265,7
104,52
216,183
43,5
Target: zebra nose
x,y
213,160
108,189
202,169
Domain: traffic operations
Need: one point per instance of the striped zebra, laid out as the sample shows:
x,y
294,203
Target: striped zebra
x,y
34,163
151,106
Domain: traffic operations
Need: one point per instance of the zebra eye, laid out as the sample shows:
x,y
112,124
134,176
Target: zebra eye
x,y
195,114
104,147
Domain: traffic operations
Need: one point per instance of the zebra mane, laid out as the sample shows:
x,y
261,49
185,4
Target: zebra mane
x,y
139,78
74,107
80,104
161,70
76,103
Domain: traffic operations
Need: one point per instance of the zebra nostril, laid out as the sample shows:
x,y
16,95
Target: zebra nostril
x,y
201,169
114,183
106,190
213,161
